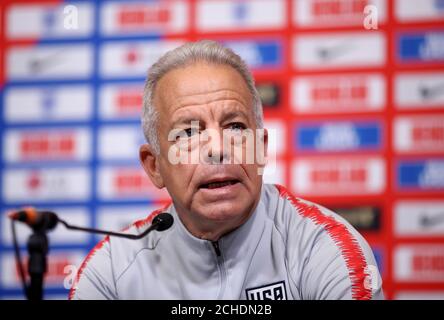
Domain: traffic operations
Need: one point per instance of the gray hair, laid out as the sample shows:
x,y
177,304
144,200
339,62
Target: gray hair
x,y
188,54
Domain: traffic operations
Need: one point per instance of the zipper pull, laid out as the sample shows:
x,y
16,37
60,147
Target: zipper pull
x,y
216,247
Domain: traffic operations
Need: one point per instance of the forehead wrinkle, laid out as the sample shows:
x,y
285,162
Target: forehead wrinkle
x,y
229,109
208,97
228,98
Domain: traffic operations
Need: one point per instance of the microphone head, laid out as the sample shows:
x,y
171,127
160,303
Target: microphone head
x,y
37,220
163,221
48,221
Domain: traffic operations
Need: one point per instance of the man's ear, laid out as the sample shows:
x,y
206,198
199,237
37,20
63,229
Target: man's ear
x,y
150,163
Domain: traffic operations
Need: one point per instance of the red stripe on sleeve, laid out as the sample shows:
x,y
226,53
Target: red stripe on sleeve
x,y
347,243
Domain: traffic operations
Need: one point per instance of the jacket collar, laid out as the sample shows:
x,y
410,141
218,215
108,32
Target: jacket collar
x,y
235,244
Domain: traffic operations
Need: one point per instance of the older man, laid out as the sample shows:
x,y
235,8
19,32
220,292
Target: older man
x,y
233,236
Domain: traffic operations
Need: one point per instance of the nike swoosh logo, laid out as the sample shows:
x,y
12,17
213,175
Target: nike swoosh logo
x,y
332,52
428,93
37,65
427,221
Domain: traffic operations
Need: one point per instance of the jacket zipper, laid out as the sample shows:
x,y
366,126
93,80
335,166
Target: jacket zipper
x,y
216,247
221,266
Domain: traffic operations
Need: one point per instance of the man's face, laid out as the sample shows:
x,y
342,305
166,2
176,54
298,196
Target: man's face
x,y
213,188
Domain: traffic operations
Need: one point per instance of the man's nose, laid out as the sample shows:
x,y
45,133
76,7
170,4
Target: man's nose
x,y
215,147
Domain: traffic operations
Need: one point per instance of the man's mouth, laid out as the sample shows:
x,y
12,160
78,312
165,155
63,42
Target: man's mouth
x,y
218,184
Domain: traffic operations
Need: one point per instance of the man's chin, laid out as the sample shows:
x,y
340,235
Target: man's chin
x,y
222,211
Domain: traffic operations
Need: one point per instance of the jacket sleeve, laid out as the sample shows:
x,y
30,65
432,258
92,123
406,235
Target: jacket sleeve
x,y
330,260
94,280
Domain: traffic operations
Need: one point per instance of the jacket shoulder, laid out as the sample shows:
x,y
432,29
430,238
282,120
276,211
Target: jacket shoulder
x,y
309,228
95,279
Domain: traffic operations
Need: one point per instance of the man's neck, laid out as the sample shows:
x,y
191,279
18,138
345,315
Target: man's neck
x,y
211,230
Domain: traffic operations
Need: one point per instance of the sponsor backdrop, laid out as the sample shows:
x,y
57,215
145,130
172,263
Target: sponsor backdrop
x,y
356,112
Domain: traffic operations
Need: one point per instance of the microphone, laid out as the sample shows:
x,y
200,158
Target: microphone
x,y
37,220
47,220
42,221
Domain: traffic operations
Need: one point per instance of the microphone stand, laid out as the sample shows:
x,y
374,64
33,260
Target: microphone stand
x,y
154,226
37,264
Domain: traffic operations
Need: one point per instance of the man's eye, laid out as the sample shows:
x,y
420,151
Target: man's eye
x,y
237,126
185,134
191,132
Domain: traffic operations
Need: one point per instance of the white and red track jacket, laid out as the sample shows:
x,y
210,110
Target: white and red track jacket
x,y
288,249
